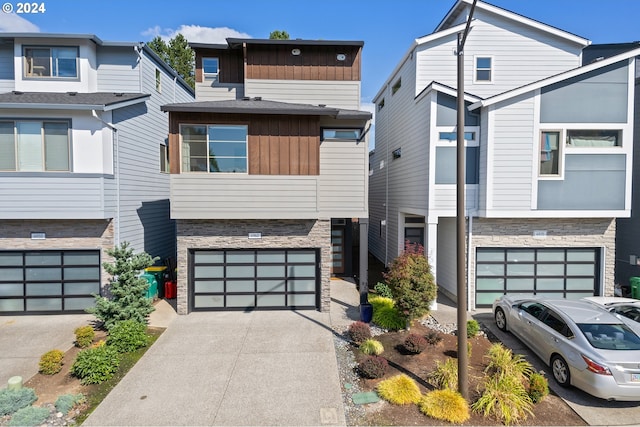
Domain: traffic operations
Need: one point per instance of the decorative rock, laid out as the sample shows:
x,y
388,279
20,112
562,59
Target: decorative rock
x,y
14,383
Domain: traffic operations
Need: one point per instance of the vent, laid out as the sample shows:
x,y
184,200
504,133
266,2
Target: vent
x,y
72,93
257,98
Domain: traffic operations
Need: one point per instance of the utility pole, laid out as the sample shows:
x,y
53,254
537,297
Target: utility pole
x,y
463,360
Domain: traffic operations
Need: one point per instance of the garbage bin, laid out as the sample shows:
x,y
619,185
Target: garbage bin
x,y
161,274
366,312
634,282
152,291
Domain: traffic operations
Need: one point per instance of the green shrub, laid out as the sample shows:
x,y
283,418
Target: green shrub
x,y
96,365
371,346
84,336
373,367
445,375
473,327
504,398
66,402
29,416
12,400
502,361
386,315
415,343
538,387
51,362
128,335
447,405
433,338
399,390
359,332
411,282
383,290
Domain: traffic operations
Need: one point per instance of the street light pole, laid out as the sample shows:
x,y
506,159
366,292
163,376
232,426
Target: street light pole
x,y
463,361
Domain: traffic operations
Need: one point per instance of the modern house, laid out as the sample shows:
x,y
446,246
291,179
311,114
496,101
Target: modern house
x,y
270,174
549,147
83,164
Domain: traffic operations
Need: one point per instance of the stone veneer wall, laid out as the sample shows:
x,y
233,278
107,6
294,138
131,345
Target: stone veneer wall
x,y
60,234
233,234
561,232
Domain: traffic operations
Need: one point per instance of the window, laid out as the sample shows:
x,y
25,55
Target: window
x,y
210,68
593,138
158,81
550,153
381,105
214,148
164,158
483,69
396,86
453,136
556,323
61,62
34,146
342,134
535,309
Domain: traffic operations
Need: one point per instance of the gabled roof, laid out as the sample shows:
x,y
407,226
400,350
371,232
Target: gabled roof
x,y
259,106
451,91
462,5
555,79
100,101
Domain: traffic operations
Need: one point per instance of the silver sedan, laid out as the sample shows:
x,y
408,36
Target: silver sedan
x,y
627,309
584,345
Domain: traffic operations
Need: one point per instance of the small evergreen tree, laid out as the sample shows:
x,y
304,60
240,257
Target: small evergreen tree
x,y
411,282
279,35
128,290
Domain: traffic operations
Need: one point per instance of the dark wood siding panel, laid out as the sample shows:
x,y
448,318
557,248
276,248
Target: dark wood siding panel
x,y
230,64
174,144
314,63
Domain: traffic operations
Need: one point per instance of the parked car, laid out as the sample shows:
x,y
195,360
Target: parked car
x,y
584,345
627,309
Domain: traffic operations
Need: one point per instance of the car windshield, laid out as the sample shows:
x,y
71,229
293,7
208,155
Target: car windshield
x,y
610,336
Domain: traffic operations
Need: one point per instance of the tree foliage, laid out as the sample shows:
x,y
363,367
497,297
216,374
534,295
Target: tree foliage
x,y
128,290
178,54
278,35
411,282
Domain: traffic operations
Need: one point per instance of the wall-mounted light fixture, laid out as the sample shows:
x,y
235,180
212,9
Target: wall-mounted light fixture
x,y
341,57
36,235
295,52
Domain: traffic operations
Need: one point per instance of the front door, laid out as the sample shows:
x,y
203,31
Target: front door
x,y
337,249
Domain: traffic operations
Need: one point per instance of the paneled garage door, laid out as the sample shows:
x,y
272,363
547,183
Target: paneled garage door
x,y
45,282
552,272
254,279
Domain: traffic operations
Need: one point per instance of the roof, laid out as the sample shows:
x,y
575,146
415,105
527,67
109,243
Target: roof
x,y
259,106
597,52
101,101
236,43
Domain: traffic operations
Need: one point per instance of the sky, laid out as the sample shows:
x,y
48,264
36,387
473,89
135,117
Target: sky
x,y
387,27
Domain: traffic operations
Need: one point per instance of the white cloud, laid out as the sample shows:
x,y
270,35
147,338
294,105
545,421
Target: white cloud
x,y
12,23
370,107
196,33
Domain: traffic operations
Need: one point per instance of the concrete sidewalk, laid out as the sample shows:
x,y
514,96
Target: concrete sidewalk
x,y
237,368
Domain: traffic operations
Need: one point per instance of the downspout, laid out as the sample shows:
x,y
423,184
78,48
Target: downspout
x,y
386,197
116,172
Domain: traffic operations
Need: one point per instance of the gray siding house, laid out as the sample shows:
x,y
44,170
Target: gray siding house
x,y
549,147
270,175
83,164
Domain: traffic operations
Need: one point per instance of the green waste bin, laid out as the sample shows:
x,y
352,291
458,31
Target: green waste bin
x,y
161,274
635,287
152,291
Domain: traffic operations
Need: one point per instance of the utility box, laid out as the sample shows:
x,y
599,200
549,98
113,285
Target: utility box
x,y
634,282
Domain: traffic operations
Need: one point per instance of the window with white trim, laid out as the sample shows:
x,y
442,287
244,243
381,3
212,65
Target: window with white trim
x,y
594,138
56,62
550,153
344,134
483,69
34,146
158,81
214,148
210,68
164,158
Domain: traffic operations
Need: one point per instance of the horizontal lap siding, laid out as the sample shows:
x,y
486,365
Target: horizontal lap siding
x,y
118,71
342,182
337,94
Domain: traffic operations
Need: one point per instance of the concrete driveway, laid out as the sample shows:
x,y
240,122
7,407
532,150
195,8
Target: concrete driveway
x,y
23,339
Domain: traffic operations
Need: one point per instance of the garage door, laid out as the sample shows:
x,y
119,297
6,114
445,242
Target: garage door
x,y
45,282
248,279
552,272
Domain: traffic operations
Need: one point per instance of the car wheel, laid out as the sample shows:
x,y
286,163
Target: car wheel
x,y
501,319
560,370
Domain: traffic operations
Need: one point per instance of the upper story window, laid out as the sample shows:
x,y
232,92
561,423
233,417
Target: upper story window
x,y
483,69
34,146
214,148
341,134
453,136
550,153
58,62
164,158
381,105
396,86
158,81
593,138
210,68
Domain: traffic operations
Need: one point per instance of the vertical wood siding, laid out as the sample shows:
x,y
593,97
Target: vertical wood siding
x,y
230,64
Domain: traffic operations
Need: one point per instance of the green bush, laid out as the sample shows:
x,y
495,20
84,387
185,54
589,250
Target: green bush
x,y
373,367
473,327
447,405
386,315
84,336
128,335
433,338
445,375
504,398
29,416
538,387
95,365
399,390
415,343
503,362
12,400
383,290
51,362
371,346
359,332
411,282
66,402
